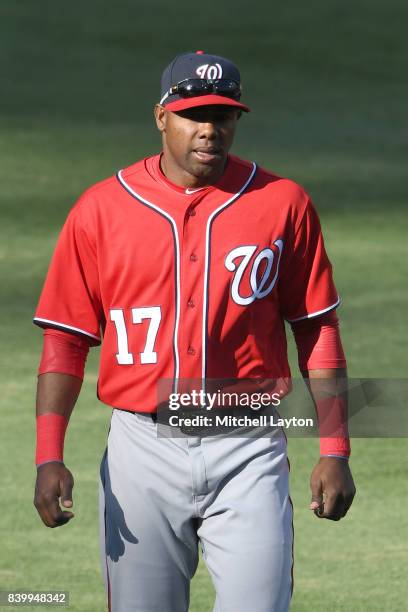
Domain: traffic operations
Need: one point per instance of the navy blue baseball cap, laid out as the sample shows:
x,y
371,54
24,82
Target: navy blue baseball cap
x,y
200,79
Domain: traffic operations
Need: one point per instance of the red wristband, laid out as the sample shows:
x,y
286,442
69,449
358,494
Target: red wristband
x,y
335,447
332,417
51,429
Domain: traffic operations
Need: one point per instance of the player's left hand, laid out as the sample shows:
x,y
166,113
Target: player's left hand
x,y
332,488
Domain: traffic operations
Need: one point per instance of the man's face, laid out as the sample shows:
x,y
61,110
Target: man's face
x,y
196,141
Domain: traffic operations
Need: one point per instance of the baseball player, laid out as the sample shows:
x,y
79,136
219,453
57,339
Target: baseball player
x,y
184,266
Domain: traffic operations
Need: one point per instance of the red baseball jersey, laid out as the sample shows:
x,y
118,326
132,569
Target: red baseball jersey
x,y
187,283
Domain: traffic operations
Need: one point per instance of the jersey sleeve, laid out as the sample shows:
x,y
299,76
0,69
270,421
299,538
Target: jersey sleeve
x,y
70,299
306,287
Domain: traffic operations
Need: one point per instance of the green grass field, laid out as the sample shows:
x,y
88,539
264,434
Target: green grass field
x,y
326,82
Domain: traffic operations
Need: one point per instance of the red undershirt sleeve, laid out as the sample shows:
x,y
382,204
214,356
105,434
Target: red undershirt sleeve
x,y
319,346
318,342
64,353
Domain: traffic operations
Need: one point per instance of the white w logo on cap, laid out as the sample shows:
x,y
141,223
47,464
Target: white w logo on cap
x,y
209,71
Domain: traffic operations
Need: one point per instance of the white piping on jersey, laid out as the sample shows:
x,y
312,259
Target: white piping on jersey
x,y
315,314
174,225
206,268
57,323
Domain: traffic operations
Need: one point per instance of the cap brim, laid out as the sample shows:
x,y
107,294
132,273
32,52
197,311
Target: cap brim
x,y
209,100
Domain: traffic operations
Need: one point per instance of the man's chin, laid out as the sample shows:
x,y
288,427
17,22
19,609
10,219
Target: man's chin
x,y
209,168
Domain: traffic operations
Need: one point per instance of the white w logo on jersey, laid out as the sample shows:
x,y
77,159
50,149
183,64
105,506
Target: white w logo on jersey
x,y
262,286
209,71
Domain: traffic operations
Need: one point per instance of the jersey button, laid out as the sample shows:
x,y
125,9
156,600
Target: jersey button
x,y
191,303
193,257
191,350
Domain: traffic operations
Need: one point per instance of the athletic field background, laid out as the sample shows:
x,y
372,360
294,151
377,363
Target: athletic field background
x,y
326,81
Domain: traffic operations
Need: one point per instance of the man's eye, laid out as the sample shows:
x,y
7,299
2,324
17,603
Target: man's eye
x,y
223,117
216,116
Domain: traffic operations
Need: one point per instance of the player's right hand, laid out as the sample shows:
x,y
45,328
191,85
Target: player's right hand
x,y
53,487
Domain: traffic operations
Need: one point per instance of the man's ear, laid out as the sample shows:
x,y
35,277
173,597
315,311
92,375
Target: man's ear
x,y
160,116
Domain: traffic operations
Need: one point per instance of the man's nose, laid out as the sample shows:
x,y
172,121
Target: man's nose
x,y
208,129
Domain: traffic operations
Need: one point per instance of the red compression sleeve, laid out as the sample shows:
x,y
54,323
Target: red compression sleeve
x,y
51,428
318,342
319,347
63,353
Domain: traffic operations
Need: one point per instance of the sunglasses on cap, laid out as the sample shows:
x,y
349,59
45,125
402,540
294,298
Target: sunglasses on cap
x,y
190,88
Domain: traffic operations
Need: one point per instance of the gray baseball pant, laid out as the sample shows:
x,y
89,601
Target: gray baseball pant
x,y
160,497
